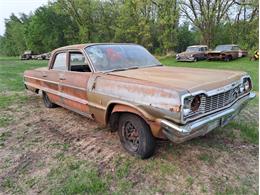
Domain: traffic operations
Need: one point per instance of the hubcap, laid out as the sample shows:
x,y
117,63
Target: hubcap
x,y
131,136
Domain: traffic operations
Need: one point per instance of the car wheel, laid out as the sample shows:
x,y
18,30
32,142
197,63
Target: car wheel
x,y
135,136
47,102
227,58
195,59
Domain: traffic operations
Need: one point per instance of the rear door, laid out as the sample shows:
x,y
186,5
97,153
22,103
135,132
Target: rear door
x,y
73,83
236,52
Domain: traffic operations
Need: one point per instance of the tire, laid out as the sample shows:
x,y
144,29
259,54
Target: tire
x,y
195,60
142,143
227,58
47,102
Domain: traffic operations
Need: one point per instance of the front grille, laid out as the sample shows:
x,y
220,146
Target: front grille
x,y
215,102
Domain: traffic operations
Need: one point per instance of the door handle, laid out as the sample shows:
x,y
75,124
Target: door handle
x,y
62,78
44,75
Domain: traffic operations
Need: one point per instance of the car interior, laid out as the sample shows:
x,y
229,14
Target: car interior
x,y
77,63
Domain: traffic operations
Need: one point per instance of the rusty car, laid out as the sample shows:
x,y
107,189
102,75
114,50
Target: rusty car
x,y
226,52
27,55
193,53
43,56
127,88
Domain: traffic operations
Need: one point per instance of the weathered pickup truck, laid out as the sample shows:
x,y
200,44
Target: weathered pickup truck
x,y
124,86
226,53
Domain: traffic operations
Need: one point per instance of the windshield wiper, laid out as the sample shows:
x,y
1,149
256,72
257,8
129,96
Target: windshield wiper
x,y
122,69
133,67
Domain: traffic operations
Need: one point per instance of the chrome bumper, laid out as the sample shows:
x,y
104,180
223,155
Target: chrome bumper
x,y
178,134
191,59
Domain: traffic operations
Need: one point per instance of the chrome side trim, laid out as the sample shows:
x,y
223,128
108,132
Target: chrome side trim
x,y
48,90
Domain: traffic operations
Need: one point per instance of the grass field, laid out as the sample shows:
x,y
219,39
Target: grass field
x,y
55,151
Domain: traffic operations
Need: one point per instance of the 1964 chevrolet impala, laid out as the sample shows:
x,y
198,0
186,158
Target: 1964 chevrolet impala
x,y
124,86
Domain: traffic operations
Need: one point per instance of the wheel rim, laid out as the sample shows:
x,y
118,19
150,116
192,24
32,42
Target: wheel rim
x,y
131,136
45,99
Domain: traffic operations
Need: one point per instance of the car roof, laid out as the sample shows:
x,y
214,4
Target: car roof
x,y
198,46
83,46
229,45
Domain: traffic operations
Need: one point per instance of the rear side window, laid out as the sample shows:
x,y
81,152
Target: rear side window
x,y
235,48
60,62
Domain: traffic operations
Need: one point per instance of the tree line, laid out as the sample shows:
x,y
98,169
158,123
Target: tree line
x,y
162,26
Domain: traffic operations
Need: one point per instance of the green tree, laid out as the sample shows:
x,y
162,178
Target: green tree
x,y
48,30
185,37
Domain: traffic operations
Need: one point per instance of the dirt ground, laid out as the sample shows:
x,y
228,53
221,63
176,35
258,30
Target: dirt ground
x,y
36,141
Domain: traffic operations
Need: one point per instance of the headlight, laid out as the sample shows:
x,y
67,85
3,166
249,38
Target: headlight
x,y
187,105
191,104
186,111
242,88
195,104
247,85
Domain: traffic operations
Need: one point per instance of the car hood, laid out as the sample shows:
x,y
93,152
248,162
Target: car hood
x,y
183,79
185,53
215,51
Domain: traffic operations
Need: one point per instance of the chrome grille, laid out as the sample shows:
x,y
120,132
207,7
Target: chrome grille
x,y
218,101
215,102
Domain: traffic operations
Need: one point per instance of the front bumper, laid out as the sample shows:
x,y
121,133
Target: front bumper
x,y
185,59
200,127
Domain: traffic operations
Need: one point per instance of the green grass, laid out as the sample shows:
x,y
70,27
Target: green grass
x,y
3,137
242,64
248,132
206,157
76,177
5,120
7,100
11,72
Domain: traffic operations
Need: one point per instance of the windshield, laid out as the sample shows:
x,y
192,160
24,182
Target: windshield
x,y
223,48
120,56
192,49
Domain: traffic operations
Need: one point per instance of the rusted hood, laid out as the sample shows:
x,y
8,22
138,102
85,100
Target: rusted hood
x,y
181,79
214,52
187,53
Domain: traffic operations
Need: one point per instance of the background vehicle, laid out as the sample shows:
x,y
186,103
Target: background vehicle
x,y
27,55
193,53
44,56
226,53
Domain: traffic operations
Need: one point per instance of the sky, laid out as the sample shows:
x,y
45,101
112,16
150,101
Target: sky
x,y
7,7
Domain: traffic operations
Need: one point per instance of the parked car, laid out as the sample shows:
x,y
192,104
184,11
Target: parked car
x,y
43,56
27,55
193,53
124,86
226,53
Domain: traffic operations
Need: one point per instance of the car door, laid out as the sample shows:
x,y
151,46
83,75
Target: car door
x,y
201,53
73,83
235,52
51,77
